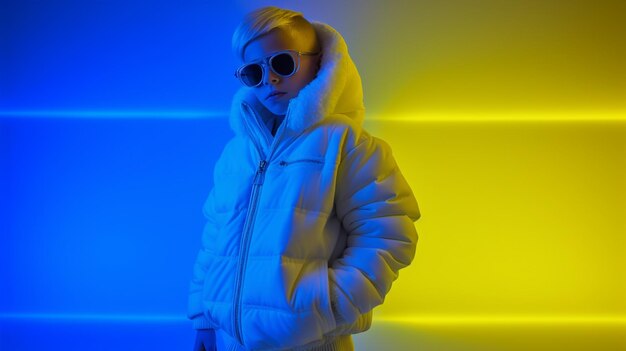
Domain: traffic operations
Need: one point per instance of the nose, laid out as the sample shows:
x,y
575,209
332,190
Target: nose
x,y
270,76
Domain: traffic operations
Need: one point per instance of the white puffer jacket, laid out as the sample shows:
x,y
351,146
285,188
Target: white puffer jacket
x,y
306,231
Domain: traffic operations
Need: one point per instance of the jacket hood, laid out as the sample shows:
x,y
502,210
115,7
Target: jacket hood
x,y
336,89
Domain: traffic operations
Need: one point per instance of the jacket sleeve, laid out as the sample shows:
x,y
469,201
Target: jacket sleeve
x,y
194,306
377,209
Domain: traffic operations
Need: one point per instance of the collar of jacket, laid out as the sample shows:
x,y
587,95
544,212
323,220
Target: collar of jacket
x,y
336,89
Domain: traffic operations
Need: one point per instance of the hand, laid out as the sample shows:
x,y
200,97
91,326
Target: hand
x,y
205,340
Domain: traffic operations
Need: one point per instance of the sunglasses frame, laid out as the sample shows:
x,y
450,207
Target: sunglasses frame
x,y
267,61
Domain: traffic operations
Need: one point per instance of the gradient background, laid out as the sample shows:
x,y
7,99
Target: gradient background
x,y
508,118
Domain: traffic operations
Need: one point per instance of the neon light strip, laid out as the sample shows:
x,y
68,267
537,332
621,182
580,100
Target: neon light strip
x,y
417,116
435,319
96,317
113,114
504,116
511,319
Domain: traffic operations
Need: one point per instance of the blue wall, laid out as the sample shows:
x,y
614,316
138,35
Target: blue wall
x,y
101,221
112,115
116,55
103,215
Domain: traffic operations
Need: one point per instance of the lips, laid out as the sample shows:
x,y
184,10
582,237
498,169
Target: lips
x,y
274,93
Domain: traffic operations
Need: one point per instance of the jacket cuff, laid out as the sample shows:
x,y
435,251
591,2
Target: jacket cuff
x,y
201,322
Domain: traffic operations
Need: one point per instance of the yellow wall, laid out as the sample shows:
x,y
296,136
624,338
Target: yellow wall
x,y
470,57
519,218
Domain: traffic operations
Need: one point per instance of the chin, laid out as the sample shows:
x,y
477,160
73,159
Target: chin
x,y
277,110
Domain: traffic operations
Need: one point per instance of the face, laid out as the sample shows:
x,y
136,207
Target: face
x,y
277,40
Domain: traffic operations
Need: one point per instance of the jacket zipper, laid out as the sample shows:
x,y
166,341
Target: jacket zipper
x,y
259,179
243,255
254,139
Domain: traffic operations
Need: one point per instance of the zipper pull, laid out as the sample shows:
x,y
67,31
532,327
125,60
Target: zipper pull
x,y
259,177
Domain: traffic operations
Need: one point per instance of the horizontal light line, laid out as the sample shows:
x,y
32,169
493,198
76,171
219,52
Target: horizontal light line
x,y
417,116
506,116
512,319
113,114
96,317
433,319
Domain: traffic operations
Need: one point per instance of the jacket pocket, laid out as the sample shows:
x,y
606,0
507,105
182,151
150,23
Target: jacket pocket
x,y
301,162
286,306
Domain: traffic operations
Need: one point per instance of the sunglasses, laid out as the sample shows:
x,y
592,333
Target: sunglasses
x,y
284,63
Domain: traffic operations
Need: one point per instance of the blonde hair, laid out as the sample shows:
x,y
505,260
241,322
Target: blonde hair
x,y
265,19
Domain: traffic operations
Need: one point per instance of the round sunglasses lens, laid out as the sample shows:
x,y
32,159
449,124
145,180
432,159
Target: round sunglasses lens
x,y
251,75
283,64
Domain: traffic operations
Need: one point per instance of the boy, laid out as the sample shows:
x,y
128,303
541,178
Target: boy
x,y
309,219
